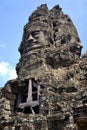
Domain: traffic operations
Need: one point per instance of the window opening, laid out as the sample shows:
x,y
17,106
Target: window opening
x,y
29,101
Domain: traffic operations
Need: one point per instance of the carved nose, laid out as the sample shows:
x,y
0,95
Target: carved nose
x,y
30,38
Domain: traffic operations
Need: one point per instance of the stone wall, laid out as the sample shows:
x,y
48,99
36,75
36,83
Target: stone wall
x,y
50,92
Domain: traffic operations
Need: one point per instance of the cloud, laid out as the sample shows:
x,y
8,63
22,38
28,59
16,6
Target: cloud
x,y
4,68
7,72
12,74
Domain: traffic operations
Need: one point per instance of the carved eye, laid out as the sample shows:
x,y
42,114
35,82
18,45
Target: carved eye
x,y
35,34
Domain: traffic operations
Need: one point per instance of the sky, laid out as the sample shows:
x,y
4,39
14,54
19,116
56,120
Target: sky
x,y
14,15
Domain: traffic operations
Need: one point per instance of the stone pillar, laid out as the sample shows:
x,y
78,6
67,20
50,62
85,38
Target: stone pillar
x,y
29,91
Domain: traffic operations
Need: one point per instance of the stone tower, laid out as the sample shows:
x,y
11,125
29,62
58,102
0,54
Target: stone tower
x,y
50,92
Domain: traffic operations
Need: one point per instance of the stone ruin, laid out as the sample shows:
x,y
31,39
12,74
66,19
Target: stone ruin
x,y
50,92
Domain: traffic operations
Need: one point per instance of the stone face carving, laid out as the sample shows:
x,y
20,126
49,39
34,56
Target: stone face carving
x,y
50,92
53,35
